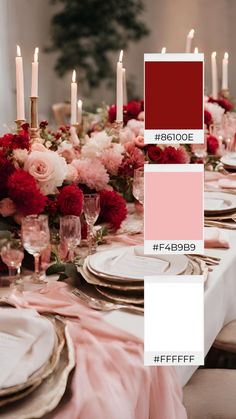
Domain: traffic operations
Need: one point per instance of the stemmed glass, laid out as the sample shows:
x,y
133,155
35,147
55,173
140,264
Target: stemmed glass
x,y
70,233
12,255
91,213
35,238
138,185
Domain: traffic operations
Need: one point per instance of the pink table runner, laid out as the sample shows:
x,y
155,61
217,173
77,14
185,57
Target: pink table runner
x,y
110,380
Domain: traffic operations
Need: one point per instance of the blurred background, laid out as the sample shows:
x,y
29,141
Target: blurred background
x,y
88,35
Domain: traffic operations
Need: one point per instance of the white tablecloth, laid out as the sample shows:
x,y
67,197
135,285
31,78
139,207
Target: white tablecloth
x,y
220,303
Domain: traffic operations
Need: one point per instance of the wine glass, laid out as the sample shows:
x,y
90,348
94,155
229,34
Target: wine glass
x,y
91,212
138,185
35,238
70,233
12,255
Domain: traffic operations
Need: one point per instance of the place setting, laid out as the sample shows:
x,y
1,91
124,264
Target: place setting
x,y
220,209
36,359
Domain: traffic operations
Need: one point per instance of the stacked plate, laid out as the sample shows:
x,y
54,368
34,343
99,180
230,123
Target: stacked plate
x,y
229,161
118,274
42,390
219,206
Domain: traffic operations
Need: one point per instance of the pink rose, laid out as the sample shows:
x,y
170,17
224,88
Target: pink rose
x,y
38,147
126,134
72,173
48,168
139,141
7,207
141,116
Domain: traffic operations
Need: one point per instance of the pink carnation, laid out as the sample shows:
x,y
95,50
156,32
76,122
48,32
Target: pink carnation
x,y
111,160
72,174
92,173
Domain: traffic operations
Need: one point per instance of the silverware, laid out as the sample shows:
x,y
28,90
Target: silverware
x,y
103,305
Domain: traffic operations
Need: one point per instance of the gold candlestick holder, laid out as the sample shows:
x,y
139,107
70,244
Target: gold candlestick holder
x,y
19,123
34,128
225,93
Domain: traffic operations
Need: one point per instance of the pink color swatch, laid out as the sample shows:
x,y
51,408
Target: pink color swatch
x,y
173,205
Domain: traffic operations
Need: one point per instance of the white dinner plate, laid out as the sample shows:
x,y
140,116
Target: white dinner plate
x,y
229,160
129,263
219,202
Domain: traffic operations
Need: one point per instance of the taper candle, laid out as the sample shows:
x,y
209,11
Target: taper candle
x,y
80,103
119,89
163,50
73,119
189,40
20,99
125,100
225,71
214,76
34,80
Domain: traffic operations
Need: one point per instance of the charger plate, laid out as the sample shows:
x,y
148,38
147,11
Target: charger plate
x,y
49,393
19,391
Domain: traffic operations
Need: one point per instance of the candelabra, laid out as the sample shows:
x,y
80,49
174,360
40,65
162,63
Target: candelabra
x,y
225,93
19,123
34,117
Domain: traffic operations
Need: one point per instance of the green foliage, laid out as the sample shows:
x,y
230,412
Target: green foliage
x,y
85,33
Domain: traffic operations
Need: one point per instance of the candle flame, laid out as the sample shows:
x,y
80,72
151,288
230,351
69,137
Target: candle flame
x,y
163,50
80,103
226,56
18,51
196,50
36,54
213,55
74,76
191,33
121,56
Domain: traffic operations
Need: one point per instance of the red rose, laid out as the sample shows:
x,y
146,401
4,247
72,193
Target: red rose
x,y
212,144
70,200
133,109
226,104
133,159
172,155
25,127
155,153
113,208
207,117
112,114
14,141
23,191
6,169
43,124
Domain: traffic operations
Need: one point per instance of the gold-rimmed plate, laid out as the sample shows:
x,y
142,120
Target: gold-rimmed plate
x,y
120,297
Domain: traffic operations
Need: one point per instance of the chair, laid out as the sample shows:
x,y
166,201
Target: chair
x,y
61,112
210,394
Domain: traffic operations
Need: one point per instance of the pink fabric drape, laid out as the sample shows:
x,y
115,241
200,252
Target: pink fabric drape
x,y
110,380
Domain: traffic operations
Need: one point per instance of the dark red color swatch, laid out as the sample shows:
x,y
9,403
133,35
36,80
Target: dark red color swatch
x,y
174,95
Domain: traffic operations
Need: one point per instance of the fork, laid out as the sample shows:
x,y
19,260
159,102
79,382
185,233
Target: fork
x,y
103,305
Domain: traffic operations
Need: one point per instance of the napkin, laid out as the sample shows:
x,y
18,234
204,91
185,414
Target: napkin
x,y
213,204
26,343
216,238
136,264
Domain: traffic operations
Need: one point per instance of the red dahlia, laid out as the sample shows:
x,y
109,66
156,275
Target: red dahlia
x,y
70,200
212,144
23,191
113,208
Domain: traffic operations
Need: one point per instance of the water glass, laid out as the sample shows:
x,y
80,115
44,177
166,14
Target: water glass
x,y
35,238
91,209
138,185
70,233
12,254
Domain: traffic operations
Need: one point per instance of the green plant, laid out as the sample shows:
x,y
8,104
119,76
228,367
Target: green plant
x,y
85,33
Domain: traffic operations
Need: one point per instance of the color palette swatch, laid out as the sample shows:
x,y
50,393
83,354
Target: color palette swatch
x,y
174,320
174,91
173,208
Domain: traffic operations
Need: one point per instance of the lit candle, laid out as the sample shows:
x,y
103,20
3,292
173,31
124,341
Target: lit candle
x,y
73,119
80,103
225,71
119,89
196,50
189,40
125,100
34,80
214,76
163,50
20,100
